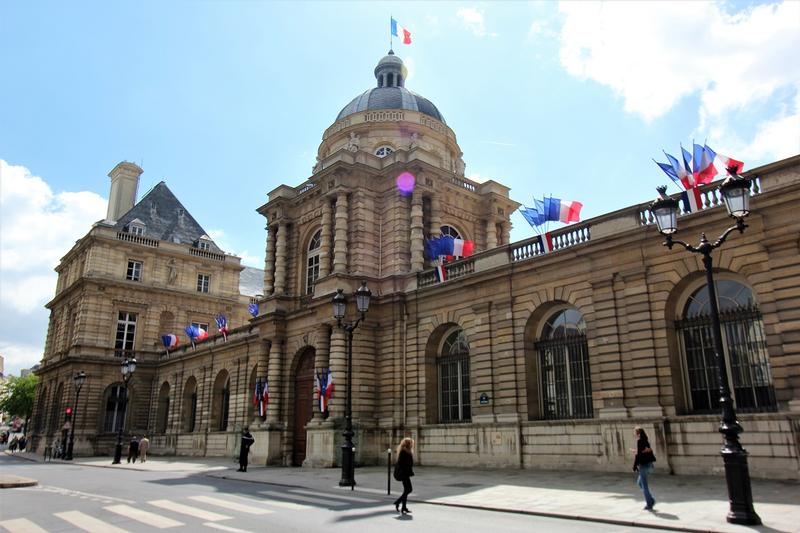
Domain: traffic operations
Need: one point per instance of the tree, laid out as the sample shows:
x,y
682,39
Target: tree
x,y
17,395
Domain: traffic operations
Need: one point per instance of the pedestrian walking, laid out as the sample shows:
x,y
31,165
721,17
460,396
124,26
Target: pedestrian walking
x,y
643,463
13,444
403,471
133,449
144,445
244,450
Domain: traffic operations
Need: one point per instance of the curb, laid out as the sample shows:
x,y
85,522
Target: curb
x,y
11,482
21,457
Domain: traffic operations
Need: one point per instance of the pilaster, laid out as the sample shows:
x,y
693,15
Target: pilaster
x,y
280,260
269,263
327,235
340,239
416,236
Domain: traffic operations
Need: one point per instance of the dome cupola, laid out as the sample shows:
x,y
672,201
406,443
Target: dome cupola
x,y
390,92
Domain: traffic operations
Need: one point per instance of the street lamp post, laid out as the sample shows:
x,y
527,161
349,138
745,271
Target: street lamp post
x,y
78,380
736,194
128,367
363,295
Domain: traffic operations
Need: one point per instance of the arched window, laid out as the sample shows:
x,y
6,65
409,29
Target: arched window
x,y
162,412
115,409
383,151
221,401
312,261
453,370
744,347
565,383
451,231
189,409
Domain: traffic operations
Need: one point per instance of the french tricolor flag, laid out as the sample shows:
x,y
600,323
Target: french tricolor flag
x,y
441,273
723,161
692,202
400,32
169,341
546,241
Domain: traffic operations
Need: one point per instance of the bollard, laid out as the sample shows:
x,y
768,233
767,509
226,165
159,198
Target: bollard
x,y
388,471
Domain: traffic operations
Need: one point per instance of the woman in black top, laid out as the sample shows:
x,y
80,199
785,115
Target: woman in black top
x,y
403,470
643,463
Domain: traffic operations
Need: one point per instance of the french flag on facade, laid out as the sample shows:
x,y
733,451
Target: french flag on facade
x,y
222,325
546,242
723,161
692,202
703,165
261,396
400,32
324,389
195,334
562,210
170,341
441,273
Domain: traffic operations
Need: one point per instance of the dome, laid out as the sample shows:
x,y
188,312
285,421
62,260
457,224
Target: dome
x,y
390,92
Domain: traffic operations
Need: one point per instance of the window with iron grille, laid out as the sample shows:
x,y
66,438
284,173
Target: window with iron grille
x,y
115,409
203,282
134,272
225,401
453,369
126,334
565,379
312,261
744,349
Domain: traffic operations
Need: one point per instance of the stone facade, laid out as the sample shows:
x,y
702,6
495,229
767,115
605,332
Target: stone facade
x,y
504,406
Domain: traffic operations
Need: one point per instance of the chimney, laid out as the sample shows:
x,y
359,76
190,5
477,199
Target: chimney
x,y
124,186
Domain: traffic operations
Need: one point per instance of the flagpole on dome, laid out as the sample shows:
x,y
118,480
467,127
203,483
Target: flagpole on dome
x,y
391,42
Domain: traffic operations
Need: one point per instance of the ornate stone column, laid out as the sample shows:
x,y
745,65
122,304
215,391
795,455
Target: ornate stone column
x,y
280,260
275,381
325,245
340,240
506,228
416,237
269,263
321,359
491,234
338,365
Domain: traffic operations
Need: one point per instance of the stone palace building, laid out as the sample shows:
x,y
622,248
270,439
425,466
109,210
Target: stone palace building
x,y
518,359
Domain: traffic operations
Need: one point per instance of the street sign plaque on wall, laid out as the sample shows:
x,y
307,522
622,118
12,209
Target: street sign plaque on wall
x,y
484,399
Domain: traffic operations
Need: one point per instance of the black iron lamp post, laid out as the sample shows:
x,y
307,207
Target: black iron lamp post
x,y
128,367
736,194
79,379
363,295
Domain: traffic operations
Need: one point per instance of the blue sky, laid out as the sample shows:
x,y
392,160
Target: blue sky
x,y
227,100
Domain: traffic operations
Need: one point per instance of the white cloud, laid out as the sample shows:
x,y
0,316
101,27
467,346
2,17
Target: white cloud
x,y
220,238
653,54
37,227
19,356
472,19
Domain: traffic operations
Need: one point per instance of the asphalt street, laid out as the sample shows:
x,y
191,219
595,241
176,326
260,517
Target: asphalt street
x,y
83,498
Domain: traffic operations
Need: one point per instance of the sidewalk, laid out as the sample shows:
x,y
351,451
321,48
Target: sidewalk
x,y
684,503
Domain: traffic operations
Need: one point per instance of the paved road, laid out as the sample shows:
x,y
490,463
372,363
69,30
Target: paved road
x,y
100,500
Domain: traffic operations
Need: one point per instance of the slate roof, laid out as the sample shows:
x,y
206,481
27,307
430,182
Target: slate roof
x,y
165,218
251,281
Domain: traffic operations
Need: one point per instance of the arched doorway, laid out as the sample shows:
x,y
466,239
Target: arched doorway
x,y
303,403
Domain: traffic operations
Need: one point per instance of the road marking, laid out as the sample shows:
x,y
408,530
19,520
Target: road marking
x,y
277,503
88,523
225,528
69,492
21,525
334,496
145,517
187,510
231,505
318,501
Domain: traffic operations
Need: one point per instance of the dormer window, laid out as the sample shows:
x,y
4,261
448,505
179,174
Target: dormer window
x,y
203,243
384,150
136,227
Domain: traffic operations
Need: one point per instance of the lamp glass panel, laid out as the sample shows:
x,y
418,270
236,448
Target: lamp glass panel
x,y
363,295
339,304
132,365
667,219
737,200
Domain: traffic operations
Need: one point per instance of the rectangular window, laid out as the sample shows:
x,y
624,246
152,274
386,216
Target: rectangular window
x,y
312,273
200,325
565,380
134,270
203,282
126,334
203,245
454,402
136,230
